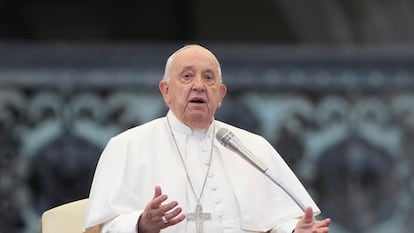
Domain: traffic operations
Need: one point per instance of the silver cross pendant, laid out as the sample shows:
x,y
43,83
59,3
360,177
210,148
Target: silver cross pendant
x,y
198,216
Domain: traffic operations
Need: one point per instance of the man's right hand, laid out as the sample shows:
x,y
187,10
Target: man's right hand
x,y
157,216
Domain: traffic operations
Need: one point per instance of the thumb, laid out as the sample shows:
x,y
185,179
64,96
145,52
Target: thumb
x,y
157,191
308,215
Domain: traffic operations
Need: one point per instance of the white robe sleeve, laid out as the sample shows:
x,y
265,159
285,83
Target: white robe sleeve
x,y
286,227
124,223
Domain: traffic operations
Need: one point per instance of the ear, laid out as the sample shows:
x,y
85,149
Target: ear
x,y
164,88
223,91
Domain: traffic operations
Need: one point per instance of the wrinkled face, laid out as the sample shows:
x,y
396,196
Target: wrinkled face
x,y
194,90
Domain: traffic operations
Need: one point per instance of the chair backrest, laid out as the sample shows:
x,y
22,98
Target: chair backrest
x,y
66,218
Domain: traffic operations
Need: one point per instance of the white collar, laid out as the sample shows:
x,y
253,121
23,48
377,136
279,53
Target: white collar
x,y
180,127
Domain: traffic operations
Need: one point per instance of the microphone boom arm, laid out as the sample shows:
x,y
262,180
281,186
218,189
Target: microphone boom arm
x,y
230,141
287,191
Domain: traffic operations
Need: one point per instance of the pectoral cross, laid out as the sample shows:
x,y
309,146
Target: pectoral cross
x,y
198,216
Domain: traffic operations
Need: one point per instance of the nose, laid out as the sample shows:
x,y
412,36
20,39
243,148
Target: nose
x,y
198,84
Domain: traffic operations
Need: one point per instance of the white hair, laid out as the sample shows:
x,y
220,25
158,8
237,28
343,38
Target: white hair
x,y
167,71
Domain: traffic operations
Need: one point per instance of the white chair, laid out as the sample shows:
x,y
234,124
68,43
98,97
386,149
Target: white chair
x,y
66,218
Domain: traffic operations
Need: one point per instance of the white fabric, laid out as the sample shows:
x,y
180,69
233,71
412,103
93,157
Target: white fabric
x,y
136,160
124,223
218,198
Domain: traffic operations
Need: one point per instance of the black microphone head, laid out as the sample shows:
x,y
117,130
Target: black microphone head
x,y
224,136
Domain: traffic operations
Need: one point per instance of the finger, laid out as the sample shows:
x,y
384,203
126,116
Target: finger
x,y
173,213
157,192
158,198
170,211
324,223
323,230
308,218
174,220
173,217
168,207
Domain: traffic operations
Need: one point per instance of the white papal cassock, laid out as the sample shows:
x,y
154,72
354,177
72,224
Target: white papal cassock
x,y
239,197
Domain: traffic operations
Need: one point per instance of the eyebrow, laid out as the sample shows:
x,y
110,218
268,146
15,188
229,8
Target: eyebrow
x,y
186,68
191,68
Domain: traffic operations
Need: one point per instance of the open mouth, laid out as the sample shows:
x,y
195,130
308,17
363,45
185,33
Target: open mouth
x,y
198,100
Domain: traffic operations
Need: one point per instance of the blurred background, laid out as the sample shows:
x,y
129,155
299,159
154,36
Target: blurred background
x,y
330,83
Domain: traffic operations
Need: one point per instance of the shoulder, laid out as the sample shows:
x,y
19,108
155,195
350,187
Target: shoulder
x,y
256,143
141,132
243,134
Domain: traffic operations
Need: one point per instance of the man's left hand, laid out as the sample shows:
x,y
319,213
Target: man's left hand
x,y
309,225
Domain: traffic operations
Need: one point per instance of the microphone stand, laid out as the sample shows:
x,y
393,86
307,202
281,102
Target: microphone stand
x,y
229,140
259,165
283,187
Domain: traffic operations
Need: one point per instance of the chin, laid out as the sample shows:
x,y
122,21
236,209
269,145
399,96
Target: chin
x,y
198,114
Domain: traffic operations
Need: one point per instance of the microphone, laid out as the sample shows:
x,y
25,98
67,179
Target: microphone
x,y
231,142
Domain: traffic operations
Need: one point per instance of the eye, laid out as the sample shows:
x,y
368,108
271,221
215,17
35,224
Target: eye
x,y
210,79
187,77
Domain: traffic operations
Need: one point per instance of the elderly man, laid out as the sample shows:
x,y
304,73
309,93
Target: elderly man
x,y
171,175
